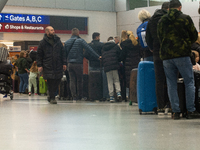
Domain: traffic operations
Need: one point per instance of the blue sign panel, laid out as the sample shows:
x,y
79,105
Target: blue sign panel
x,y
24,19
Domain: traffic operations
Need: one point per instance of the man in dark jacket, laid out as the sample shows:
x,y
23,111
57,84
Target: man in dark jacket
x,y
154,44
51,60
176,32
74,49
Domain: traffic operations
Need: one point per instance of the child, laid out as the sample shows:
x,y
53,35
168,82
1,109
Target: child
x,y
32,78
110,58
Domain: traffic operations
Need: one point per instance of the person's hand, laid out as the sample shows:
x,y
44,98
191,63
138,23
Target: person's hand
x,y
100,57
64,67
40,69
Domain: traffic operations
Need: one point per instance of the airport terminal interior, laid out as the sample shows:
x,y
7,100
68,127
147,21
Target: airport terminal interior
x,y
32,123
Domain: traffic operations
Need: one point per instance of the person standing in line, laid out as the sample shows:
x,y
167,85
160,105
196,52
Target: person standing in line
x,y
146,53
51,60
154,44
23,66
111,58
74,54
176,32
94,64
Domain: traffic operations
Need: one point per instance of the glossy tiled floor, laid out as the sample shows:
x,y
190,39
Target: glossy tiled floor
x,y
30,123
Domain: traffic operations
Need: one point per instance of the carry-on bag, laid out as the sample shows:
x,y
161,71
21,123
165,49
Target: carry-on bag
x,y
42,86
6,68
3,54
133,85
95,85
146,93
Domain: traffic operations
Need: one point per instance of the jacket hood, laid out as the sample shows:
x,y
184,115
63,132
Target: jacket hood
x,y
108,46
128,43
159,13
173,14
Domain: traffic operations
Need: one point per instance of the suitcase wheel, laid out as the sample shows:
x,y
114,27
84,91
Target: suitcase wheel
x,y
11,96
140,111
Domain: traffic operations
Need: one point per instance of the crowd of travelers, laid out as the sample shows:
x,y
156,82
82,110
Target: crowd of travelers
x,y
170,36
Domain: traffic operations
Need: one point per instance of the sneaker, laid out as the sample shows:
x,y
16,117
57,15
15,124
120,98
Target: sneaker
x,y
112,100
119,97
36,94
53,101
176,116
193,115
29,94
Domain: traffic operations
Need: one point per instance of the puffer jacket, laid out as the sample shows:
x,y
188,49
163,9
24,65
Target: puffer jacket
x,y
130,56
110,56
75,55
51,58
176,32
195,46
151,32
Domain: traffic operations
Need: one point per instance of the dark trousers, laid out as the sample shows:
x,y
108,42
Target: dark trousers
x,y
161,85
76,79
52,85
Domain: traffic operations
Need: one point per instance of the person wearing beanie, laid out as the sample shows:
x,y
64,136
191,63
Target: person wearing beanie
x,y
176,32
154,44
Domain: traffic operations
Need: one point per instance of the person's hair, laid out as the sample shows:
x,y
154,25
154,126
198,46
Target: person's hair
x,y
75,31
21,55
174,4
34,67
165,5
117,37
130,36
94,35
198,39
143,15
17,55
110,38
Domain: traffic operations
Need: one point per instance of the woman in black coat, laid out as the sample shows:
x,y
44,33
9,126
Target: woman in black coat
x,y
130,55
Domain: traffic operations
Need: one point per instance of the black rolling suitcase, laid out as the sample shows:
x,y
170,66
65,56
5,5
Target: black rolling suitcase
x,y
5,78
95,85
64,89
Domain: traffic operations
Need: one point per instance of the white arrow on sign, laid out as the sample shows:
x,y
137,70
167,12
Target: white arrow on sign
x,y
0,26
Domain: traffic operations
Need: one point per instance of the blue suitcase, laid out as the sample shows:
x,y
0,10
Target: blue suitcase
x,y
146,91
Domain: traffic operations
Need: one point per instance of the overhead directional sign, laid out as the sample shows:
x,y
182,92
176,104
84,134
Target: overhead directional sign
x,y
37,23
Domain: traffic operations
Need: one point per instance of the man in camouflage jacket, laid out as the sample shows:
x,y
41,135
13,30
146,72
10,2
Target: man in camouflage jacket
x,y
176,33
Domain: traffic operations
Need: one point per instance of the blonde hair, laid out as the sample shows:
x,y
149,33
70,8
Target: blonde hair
x,y
34,67
198,39
130,36
143,15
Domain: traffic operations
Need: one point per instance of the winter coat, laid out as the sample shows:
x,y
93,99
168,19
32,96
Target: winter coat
x,y
75,55
151,32
110,56
97,47
130,57
51,58
176,32
22,64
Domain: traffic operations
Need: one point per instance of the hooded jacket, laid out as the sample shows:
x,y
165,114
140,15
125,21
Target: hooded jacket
x,y
151,32
176,32
75,55
110,56
130,56
51,58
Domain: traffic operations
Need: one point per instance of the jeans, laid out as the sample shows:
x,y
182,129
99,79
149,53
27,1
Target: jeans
x,y
184,66
23,82
76,79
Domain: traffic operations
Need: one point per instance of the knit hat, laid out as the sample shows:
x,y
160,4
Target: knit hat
x,y
174,4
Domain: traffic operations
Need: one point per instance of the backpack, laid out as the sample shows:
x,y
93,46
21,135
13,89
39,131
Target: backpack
x,y
141,33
